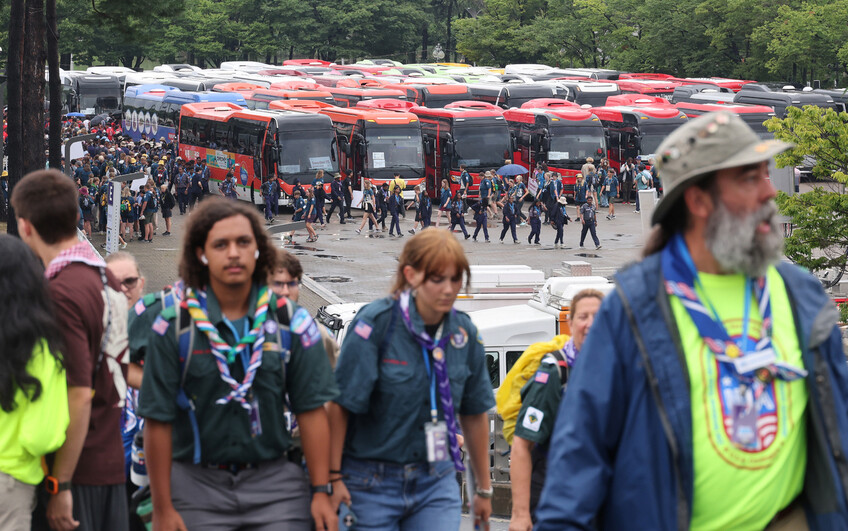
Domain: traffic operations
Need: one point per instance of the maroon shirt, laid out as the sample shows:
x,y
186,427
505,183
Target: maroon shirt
x,y
77,293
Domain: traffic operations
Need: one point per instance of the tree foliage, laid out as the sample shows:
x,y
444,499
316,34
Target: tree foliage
x,y
787,40
819,238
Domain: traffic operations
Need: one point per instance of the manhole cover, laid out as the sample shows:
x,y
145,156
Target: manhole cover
x,y
332,279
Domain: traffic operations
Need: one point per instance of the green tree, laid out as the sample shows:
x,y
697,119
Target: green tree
x,y
819,238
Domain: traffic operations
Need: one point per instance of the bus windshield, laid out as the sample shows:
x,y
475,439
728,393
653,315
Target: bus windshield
x,y
480,146
573,144
98,103
394,147
652,136
307,151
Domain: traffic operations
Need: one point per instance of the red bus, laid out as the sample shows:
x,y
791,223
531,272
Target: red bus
x,y
647,87
633,131
265,144
733,84
549,103
561,138
239,86
637,99
295,85
298,105
349,97
308,62
386,104
433,96
260,98
753,115
473,133
375,143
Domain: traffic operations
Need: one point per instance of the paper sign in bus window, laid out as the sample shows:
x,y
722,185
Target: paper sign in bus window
x,y
320,163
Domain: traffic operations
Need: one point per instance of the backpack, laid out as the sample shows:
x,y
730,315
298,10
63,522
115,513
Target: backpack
x,y
87,202
508,398
104,196
185,332
168,201
154,201
126,205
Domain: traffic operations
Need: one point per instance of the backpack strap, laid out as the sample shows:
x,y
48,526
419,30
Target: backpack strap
x,y
185,338
284,314
562,365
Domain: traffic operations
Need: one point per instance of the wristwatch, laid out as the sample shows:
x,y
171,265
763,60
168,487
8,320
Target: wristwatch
x,y
325,489
485,493
54,487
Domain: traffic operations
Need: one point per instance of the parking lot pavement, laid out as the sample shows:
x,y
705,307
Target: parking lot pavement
x,y
360,267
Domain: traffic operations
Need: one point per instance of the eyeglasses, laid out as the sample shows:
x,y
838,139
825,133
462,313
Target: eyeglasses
x,y
290,284
130,282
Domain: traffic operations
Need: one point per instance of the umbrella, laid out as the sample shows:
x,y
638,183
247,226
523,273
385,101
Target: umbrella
x,y
76,115
511,169
99,119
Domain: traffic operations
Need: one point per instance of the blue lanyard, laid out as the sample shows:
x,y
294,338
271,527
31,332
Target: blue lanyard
x,y
434,410
244,352
743,342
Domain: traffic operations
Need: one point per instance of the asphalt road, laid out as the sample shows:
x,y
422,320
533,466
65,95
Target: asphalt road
x,y
360,268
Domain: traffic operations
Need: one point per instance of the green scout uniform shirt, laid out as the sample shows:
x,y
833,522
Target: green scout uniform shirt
x,y
386,390
225,429
142,315
540,398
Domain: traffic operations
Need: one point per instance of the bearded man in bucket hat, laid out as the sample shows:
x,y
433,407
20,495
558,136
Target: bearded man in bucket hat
x,y
721,402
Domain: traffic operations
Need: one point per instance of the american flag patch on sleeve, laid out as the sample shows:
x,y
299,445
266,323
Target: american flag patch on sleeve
x,y
160,325
542,377
139,307
363,330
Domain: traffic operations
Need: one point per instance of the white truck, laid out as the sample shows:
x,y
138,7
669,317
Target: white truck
x,y
509,316
491,286
508,331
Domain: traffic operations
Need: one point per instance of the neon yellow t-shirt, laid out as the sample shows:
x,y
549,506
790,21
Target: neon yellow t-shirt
x,y
735,488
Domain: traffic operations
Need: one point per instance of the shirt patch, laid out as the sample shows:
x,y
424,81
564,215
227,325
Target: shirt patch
x,y
542,377
363,330
459,339
311,336
532,419
160,325
300,321
139,307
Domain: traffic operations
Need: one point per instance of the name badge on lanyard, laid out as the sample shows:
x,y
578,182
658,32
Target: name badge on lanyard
x,y
437,441
752,361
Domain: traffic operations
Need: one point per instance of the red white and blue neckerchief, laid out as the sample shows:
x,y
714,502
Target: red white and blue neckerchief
x,y
681,281
440,369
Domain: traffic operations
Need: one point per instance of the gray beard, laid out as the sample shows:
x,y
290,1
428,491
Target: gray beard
x,y
737,246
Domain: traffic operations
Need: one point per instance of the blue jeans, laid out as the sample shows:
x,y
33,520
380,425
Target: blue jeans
x,y
414,497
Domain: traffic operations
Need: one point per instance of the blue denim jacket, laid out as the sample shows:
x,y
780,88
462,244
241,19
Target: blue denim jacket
x,y
621,451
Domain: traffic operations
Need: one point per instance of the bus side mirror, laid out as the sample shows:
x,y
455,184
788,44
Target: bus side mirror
x,y
449,145
428,145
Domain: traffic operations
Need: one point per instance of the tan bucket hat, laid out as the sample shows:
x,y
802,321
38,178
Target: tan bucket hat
x,y
711,142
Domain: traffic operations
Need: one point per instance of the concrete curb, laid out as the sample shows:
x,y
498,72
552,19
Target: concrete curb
x,y
321,291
